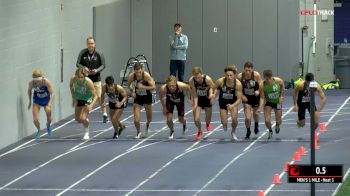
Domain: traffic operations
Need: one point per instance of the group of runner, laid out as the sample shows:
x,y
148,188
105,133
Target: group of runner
x,y
256,93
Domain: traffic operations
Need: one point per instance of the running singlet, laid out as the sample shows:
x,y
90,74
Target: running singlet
x,y
82,92
115,96
175,97
41,95
228,93
141,92
249,85
304,95
202,89
272,92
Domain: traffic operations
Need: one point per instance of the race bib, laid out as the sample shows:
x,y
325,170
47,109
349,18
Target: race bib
x,y
227,96
81,90
140,92
202,92
42,95
175,100
249,91
112,100
274,95
305,99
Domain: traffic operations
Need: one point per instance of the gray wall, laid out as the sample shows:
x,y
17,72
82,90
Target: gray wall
x,y
123,29
112,22
32,34
164,13
264,32
141,29
320,63
288,35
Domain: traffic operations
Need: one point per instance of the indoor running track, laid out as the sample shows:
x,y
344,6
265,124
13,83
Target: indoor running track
x,y
64,164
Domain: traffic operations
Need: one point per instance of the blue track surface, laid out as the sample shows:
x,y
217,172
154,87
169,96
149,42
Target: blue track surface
x,y
64,164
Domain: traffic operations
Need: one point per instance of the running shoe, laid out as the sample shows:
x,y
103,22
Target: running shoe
x,y
256,130
49,132
115,135
105,118
121,129
171,136
233,136
146,129
184,127
277,129
224,127
247,135
37,135
209,128
199,135
269,135
86,136
138,135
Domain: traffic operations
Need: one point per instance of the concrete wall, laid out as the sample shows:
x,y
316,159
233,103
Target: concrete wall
x,y
112,30
264,32
321,62
32,35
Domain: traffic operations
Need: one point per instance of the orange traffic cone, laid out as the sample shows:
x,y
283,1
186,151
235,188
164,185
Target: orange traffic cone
x,y
316,146
323,127
261,193
302,151
296,156
286,167
276,179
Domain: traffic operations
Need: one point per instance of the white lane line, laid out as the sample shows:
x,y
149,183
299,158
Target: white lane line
x,y
105,130
340,108
46,163
53,130
133,148
160,190
28,142
263,135
163,167
188,150
77,147
165,127
236,158
339,185
329,121
101,167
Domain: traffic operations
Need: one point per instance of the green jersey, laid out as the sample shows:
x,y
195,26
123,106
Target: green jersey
x,y
272,92
82,91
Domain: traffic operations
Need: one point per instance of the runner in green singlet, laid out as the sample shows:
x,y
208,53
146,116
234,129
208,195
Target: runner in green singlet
x,y
272,92
84,98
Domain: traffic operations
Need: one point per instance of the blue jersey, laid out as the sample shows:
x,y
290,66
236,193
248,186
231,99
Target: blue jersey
x,y
41,95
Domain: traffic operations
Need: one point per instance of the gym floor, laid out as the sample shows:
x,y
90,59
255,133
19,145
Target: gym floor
x,y
64,164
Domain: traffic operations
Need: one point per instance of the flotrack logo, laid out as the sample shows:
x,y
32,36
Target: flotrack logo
x,y
317,12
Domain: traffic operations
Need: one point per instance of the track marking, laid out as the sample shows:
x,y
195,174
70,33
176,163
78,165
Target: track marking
x,y
131,149
188,150
46,163
329,121
247,149
75,148
28,142
165,166
159,190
